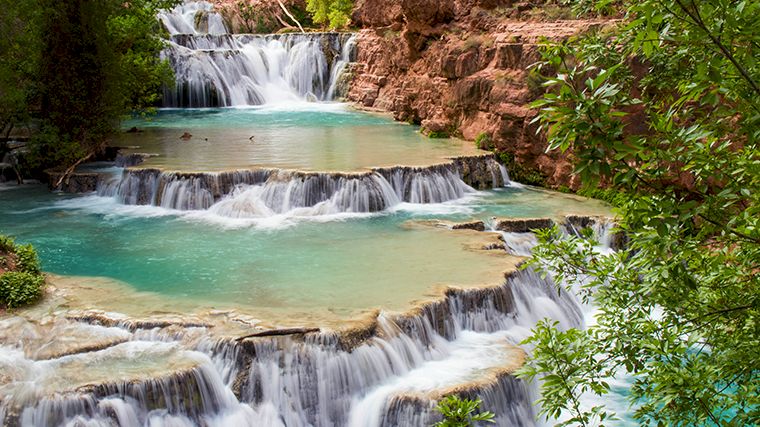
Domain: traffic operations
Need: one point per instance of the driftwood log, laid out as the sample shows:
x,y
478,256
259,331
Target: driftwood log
x,y
279,332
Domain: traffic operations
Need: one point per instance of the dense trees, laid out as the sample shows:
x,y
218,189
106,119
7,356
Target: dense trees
x,y
664,109
20,49
79,65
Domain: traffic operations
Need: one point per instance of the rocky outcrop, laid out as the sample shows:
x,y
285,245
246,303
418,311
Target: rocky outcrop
x,y
472,225
369,191
460,67
523,225
77,182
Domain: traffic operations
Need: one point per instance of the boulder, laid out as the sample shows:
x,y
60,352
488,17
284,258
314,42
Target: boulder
x,y
523,225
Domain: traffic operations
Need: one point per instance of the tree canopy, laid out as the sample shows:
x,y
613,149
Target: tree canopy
x,y
335,13
78,66
662,109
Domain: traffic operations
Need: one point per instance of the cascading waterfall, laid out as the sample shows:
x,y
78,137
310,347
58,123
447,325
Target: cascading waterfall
x,y
318,379
388,374
216,69
193,17
267,192
383,374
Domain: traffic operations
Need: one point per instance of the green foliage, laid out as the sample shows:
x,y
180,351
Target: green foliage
x,y
483,141
585,8
20,50
458,412
19,288
665,112
80,66
568,368
7,244
335,13
27,260
611,196
435,134
23,285
518,172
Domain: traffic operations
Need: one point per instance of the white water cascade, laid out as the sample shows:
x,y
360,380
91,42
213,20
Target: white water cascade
x,y
214,68
385,375
268,192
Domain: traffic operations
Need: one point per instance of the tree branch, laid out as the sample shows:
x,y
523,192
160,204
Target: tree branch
x,y
284,9
697,18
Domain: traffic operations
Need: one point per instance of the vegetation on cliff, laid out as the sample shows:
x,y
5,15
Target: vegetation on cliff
x,y
21,281
270,16
335,13
264,16
665,110
78,67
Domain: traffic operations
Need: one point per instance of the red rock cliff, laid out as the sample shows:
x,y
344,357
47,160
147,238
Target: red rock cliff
x,y
460,67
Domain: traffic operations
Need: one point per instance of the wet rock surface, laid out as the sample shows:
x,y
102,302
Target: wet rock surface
x,y
523,225
77,182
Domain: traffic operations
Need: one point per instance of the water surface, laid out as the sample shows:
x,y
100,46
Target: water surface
x,y
333,266
302,136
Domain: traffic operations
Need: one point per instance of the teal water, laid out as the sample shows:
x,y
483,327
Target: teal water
x,y
303,136
342,264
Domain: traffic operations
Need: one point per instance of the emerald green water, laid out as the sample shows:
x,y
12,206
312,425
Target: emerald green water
x,y
337,266
311,137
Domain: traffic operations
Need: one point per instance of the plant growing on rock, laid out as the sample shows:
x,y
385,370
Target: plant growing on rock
x,y
483,141
458,412
21,281
665,111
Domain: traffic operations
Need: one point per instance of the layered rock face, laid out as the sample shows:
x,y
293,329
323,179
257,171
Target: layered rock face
x,y
461,67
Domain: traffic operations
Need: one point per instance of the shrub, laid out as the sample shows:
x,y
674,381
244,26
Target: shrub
x,y
437,134
24,284
483,141
26,259
611,196
19,288
458,412
7,244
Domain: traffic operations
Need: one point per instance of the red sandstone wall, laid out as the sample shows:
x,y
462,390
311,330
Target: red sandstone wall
x,y
460,66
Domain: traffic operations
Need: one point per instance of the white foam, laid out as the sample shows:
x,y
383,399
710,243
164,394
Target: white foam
x,y
467,358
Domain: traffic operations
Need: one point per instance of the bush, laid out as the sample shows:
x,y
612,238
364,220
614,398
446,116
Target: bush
x,y
458,412
7,244
19,288
483,141
435,134
611,196
27,260
24,284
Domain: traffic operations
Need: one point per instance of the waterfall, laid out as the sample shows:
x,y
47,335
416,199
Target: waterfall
x,y
193,17
216,69
267,192
387,373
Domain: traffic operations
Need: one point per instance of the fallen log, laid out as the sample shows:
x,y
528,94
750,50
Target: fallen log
x,y
278,332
